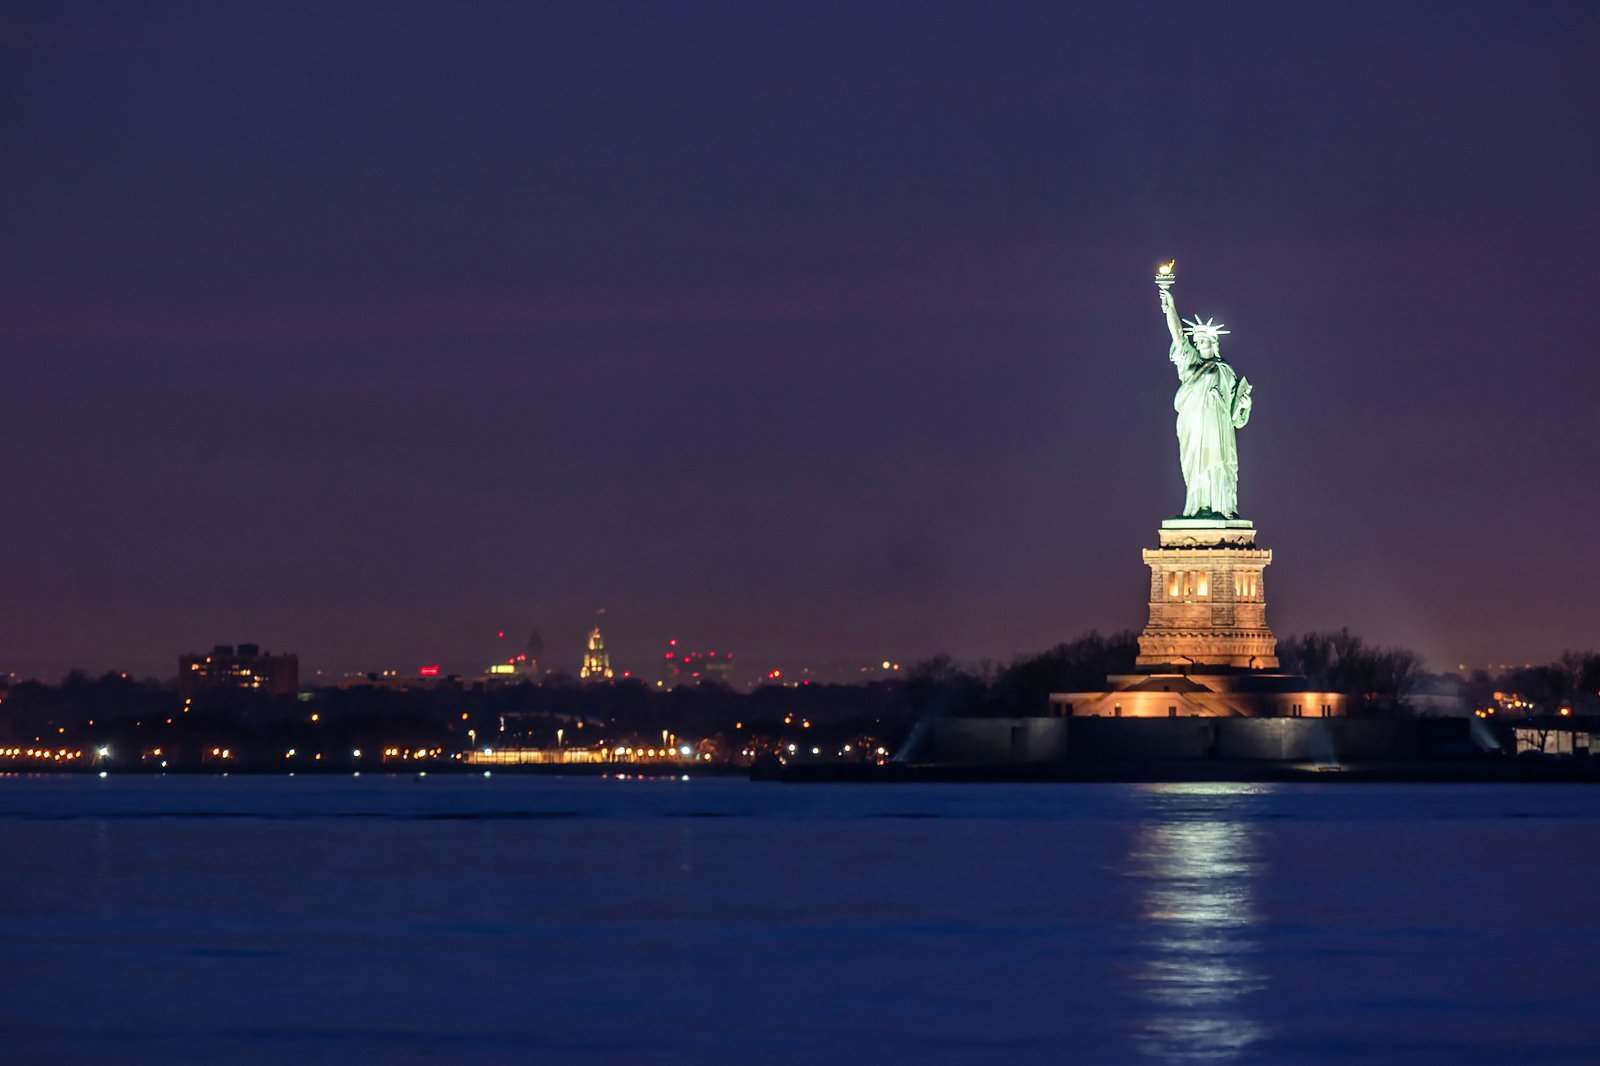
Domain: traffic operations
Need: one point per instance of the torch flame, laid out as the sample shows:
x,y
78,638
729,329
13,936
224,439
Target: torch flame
x,y
1166,268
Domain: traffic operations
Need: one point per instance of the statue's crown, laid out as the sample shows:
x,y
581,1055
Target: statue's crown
x,y
1194,327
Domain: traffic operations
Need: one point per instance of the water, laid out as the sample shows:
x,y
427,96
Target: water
x,y
523,919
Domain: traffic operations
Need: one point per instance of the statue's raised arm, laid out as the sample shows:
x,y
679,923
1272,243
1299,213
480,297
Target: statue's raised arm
x,y
1170,309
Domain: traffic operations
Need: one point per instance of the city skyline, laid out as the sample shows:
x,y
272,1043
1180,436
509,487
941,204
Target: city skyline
x,y
502,659
818,338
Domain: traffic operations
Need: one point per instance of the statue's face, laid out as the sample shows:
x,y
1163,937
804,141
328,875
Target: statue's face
x,y
1206,345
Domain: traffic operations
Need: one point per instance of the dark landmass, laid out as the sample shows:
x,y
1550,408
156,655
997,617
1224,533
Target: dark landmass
x,y
118,723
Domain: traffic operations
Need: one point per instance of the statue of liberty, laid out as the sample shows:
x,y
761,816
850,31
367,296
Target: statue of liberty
x,y
1212,403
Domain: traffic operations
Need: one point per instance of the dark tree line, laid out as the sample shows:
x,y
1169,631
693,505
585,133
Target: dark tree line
x,y
940,686
1382,679
1572,681
1377,679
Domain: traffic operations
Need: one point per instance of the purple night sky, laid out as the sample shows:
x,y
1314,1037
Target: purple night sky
x,y
811,331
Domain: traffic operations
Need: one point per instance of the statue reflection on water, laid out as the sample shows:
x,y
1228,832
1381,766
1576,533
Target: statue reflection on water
x,y
1195,862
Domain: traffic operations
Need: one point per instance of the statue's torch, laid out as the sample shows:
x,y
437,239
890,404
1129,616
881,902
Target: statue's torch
x,y
1166,274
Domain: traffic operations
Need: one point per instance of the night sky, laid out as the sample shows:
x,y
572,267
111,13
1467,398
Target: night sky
x,y
813,332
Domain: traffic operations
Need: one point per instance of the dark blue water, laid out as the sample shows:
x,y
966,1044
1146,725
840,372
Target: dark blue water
x,y
520,919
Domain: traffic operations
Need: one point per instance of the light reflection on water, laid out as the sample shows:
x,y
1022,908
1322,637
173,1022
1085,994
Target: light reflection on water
x,y
1195,862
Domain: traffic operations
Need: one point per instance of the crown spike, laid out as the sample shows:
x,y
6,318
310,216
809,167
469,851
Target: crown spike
x,y
1212,329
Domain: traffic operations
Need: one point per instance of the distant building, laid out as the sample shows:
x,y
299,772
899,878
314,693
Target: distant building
x,y
693,667
596,660
534,650
510,663
245,667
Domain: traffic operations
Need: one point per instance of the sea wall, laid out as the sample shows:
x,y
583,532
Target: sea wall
x,y
1013,740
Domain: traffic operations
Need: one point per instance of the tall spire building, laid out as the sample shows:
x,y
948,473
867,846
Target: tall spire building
x,y
596,661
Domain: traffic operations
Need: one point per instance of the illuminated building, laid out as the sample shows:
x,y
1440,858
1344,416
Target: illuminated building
x,y
509,663
596,661
505,660
537,756
246,667
500,674
694,667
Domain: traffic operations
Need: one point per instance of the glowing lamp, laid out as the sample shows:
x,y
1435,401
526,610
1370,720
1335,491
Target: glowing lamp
x,y
1166,274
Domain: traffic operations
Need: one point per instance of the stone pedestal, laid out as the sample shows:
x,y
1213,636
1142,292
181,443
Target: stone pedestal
x,y
1208,604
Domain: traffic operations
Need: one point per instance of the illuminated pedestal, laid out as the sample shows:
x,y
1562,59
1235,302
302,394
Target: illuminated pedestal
x,y
1208,604
1206,651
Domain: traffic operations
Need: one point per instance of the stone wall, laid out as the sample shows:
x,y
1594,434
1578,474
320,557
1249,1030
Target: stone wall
x,y
1013,740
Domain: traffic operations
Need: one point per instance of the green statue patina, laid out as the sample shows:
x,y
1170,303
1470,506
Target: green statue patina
x,y
1212,403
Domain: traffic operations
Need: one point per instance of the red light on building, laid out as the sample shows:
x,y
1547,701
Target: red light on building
x,y
501,634
429,671
522,658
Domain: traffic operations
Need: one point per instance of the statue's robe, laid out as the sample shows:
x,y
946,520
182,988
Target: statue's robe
x,y
1209,410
